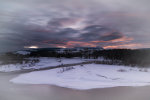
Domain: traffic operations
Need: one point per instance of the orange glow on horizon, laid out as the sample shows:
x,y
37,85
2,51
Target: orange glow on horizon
x,y
84,44
133,46
122,42
31,47
123,39
61,47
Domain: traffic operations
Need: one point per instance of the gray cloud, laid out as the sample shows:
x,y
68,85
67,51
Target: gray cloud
x,y
50,23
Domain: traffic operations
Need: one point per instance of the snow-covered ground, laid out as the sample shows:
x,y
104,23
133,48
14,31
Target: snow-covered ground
x,y
43,63
88,77
22,52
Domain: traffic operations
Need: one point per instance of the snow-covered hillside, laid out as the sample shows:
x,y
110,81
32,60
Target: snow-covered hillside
x,y
88,77
22,52
44,62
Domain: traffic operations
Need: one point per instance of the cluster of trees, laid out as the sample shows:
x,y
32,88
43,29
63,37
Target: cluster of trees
x,y
11,58
87,54
137,57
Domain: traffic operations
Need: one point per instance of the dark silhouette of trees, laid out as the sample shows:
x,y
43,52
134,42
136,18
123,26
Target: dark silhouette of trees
x,y
137,57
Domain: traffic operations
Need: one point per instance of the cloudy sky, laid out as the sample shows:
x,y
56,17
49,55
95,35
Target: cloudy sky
x,y
74,23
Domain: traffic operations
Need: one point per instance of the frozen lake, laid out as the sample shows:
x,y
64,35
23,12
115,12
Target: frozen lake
x,y
10,91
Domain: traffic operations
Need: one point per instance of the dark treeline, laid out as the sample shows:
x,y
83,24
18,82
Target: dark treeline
x,y
11,58
137,57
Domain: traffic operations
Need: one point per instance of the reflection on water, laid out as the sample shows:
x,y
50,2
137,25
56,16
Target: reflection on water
x,y
9,91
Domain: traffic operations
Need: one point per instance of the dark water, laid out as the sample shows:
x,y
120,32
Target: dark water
x,y
9,91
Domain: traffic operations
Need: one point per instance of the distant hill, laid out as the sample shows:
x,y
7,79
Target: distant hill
x,y
76,49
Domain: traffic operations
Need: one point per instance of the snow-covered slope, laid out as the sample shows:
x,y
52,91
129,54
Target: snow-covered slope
x,y
22,52
88,77
43,63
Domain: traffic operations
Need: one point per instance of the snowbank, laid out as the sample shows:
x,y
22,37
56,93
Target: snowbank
x,y
88,77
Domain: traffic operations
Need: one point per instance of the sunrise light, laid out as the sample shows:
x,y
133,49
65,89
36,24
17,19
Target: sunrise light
x,y
31,47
